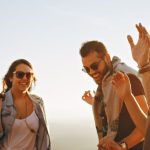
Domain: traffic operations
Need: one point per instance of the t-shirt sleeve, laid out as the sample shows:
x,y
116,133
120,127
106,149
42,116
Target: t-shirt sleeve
x,y
136,85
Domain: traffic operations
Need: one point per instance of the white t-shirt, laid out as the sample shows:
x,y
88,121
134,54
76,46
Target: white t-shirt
x,y
23,134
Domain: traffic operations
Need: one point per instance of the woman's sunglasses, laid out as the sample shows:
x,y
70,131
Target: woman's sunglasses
x,y
93,66
21,74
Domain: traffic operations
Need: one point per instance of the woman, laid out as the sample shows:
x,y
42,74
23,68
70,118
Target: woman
x,y
23,121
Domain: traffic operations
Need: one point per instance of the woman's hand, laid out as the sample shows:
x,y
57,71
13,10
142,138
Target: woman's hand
x,y
121,84
106,143
141,50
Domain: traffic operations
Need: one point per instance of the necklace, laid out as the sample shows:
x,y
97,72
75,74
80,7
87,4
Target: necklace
x,y
23,115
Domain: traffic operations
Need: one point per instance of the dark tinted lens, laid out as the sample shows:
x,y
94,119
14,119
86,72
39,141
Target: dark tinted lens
x,y
28,75
20,74
94,66
86,69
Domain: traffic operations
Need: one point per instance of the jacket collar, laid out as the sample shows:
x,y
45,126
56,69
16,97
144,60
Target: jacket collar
x,y
8,98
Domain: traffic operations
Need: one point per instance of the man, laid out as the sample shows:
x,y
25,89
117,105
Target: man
x,y
112,119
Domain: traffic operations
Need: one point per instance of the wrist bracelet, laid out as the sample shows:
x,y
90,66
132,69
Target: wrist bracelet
x,y
144,69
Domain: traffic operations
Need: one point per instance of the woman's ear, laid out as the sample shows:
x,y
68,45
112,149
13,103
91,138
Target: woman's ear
x,y
10,79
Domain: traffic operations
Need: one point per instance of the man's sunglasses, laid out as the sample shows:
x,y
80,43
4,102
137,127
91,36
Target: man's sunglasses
x,y
93,66
21,74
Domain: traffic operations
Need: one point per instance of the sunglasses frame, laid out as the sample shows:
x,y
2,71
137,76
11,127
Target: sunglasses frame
x,y
93,66
21,74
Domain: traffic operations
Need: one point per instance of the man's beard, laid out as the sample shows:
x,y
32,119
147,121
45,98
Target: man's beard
x,y
107,69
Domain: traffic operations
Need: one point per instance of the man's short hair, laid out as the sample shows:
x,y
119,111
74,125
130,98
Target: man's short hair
x,y
91,46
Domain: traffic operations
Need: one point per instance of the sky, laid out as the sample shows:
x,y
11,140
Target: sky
x,y
49,33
